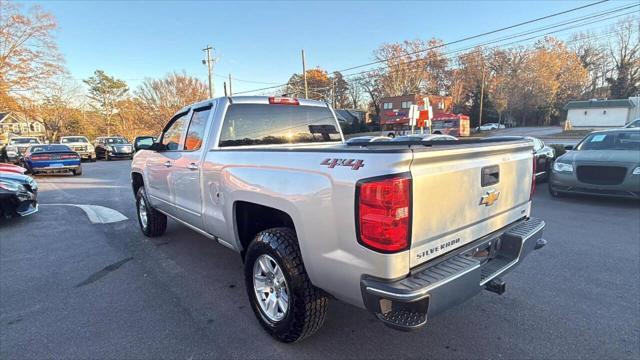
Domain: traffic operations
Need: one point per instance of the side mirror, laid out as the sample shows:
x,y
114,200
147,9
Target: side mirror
x,y
145,142
568,147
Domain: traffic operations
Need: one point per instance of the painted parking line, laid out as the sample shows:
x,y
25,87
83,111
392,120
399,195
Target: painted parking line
x,y
97,214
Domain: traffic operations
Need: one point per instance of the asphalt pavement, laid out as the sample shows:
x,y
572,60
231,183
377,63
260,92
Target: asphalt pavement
x,y
70,288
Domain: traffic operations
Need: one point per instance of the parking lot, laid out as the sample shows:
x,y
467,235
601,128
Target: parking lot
x,y
70,288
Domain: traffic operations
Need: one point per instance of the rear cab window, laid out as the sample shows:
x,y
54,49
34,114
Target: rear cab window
x,y
195,133
267,124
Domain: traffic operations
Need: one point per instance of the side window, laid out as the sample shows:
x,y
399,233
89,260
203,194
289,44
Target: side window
x,y
195,133
173,134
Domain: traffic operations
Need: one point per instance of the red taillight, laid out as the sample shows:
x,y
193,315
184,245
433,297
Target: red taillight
x,y
68,156
40,157
283,100
533,180
383,213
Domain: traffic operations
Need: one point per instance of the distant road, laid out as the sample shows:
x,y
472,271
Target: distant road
x,y
540,131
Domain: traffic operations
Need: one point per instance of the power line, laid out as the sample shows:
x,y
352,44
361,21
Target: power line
x,y
480,35
571,21
449,43
494,41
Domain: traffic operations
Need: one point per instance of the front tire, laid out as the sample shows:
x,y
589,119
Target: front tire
x,y
553,193
152,222
274,272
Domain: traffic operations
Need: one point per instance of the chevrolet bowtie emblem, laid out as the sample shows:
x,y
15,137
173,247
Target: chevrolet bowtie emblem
x,y
489,198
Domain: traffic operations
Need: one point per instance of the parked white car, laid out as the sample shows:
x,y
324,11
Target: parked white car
x,y
81,145
490,126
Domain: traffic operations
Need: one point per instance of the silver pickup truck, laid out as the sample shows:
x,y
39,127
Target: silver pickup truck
x,y
402,229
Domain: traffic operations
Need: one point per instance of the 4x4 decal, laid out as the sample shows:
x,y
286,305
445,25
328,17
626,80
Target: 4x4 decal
x,y
354,164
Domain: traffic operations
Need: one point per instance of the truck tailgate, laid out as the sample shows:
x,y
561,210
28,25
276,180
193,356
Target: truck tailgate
x,y
453,206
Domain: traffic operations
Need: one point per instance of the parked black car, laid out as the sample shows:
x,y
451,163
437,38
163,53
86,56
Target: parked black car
x,y
18,195
545,155
113,147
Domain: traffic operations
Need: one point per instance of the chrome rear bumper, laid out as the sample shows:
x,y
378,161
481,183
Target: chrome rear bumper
x,y
406,304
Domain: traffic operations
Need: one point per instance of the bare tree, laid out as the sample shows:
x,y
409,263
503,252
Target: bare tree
x,y
161,98
354,93
413,66
29,55
624,48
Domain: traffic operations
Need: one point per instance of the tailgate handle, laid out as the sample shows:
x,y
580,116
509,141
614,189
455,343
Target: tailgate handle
x,y
490,175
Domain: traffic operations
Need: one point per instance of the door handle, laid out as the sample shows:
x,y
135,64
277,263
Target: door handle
x,y
168,164
192,166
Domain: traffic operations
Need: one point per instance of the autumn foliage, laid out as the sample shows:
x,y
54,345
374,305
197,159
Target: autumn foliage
x,y
523,84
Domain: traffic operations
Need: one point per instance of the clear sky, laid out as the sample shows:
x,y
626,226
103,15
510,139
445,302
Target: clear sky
x,y
261,41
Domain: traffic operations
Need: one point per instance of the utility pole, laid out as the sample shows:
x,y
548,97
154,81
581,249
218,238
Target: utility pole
x,y
304,74
224,84
333,92
230,91
209,62
481,95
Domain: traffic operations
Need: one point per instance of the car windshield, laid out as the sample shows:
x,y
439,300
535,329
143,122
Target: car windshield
x,y
47,148
627,140
79,139
115,141
634,124
24,141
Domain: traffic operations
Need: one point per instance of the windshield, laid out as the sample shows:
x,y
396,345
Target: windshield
x,y
24,141
611,141
78,139
115,141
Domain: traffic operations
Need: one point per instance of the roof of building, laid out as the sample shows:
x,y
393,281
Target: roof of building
x,y
591,104
3,115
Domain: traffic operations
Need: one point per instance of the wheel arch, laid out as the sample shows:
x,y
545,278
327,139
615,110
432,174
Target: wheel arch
x,y
137,181
250,218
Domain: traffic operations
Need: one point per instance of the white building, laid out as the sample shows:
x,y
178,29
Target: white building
x,y
595,114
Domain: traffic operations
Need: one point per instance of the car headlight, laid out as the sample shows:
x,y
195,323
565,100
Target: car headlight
x,y
90,147
11,148
636,171
562,167
11,185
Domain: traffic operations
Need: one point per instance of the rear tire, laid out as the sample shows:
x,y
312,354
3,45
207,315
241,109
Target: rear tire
x,y
307,305
152,222
77,172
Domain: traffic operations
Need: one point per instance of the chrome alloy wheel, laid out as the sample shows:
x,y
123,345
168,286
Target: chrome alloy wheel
x,y
270,287
142,211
